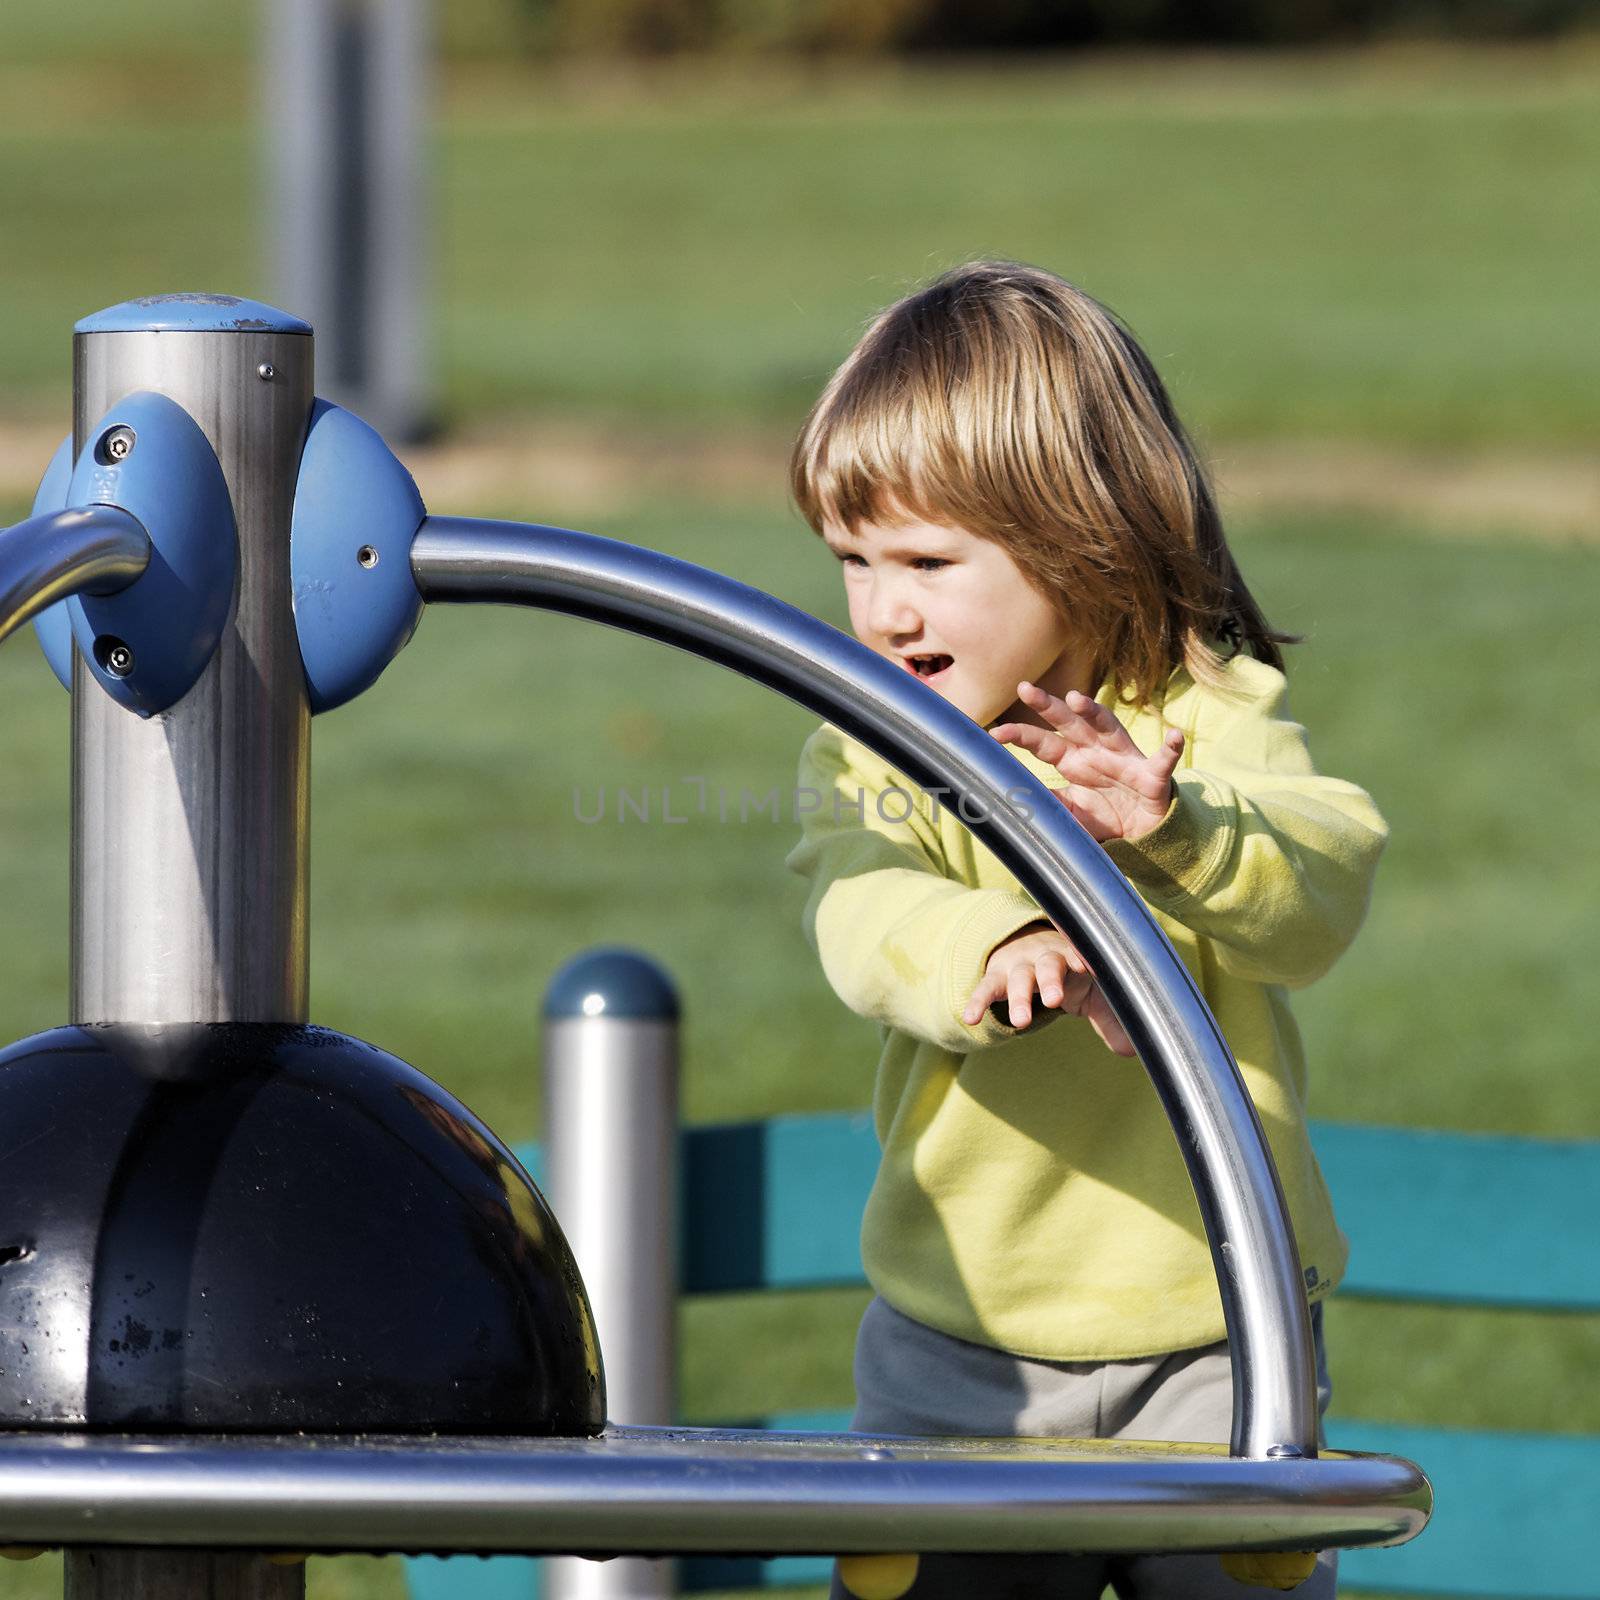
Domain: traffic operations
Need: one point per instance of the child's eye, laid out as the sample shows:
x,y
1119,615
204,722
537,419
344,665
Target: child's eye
x,y
930,563
851,561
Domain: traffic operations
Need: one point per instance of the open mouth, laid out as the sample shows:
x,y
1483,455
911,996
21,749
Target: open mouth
x,y
929,666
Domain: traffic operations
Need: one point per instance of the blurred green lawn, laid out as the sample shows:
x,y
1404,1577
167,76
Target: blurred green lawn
x,y
451,877
1391,249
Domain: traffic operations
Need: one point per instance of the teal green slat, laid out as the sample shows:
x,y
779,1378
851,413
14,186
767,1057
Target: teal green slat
x,y
1512,1514
1478,1218
473,1578
699,1574
776,1204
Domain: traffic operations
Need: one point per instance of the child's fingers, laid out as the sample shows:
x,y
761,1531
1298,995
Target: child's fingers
x,y
996,989
1048,747
1019,995
1165,761
1015,979
1078,717
1065,716
1073,957
1050,972
988,991
1097,1009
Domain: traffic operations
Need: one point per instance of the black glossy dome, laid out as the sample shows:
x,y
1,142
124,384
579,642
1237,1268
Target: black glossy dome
x,y
273,1229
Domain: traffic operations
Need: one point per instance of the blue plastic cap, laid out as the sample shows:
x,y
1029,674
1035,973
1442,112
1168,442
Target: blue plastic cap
x,y
612,983
192,313
356,512
172,616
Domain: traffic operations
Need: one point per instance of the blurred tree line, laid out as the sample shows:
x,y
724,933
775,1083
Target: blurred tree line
x,y
662,27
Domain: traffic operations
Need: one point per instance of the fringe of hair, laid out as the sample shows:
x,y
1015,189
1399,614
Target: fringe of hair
x,y
1005,401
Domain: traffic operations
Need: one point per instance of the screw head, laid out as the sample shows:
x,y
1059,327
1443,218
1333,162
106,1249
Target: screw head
x,y
115,658
266,372
117,445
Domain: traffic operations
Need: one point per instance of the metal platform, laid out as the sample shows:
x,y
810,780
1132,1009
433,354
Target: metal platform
x,y
658,1491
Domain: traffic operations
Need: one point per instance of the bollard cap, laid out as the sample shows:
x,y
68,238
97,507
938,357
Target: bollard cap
x,y
612,982
192,313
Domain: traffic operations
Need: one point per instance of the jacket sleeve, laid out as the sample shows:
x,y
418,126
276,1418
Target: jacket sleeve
x,y
899,941
1259,853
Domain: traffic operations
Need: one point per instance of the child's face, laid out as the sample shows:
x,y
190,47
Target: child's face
x,y
956,610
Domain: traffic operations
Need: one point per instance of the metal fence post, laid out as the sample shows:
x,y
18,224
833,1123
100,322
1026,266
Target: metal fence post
x,y
611,1153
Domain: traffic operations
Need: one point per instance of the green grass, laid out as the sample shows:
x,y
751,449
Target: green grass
x,y
450,878
1390,249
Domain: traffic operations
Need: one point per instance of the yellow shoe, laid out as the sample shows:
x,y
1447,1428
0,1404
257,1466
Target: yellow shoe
x,y
1270,1569
877,1577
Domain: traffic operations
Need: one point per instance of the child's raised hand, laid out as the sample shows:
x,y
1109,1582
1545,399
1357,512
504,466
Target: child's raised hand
x,y
1113,788
1045,960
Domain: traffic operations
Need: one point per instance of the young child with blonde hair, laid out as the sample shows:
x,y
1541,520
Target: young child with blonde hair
x,y
1022,523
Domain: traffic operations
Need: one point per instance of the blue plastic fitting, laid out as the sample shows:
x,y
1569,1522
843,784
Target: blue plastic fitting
x,y
356,511
148,644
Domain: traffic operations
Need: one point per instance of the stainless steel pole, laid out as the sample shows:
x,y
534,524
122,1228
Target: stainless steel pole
x,y
189,866
611,1144
346,89
395,339
300,98
189,828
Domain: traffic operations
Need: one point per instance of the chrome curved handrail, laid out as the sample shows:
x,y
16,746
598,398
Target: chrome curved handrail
x,y
84,550
907,723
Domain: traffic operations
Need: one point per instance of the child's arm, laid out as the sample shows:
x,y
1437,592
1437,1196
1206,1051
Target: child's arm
x,y
1254,849
898,940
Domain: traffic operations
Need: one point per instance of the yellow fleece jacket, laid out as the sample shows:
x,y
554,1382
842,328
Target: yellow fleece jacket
x,y
1031,1195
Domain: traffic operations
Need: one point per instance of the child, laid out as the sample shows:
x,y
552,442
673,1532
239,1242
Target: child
x,y
1023,523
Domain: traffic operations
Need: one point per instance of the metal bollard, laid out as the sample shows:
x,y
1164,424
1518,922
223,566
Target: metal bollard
x,y
611,1143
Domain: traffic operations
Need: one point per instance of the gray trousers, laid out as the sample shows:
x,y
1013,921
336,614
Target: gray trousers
x,y
912,1379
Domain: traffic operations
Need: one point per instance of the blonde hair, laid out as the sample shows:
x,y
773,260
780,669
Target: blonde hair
x,y
1007,402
